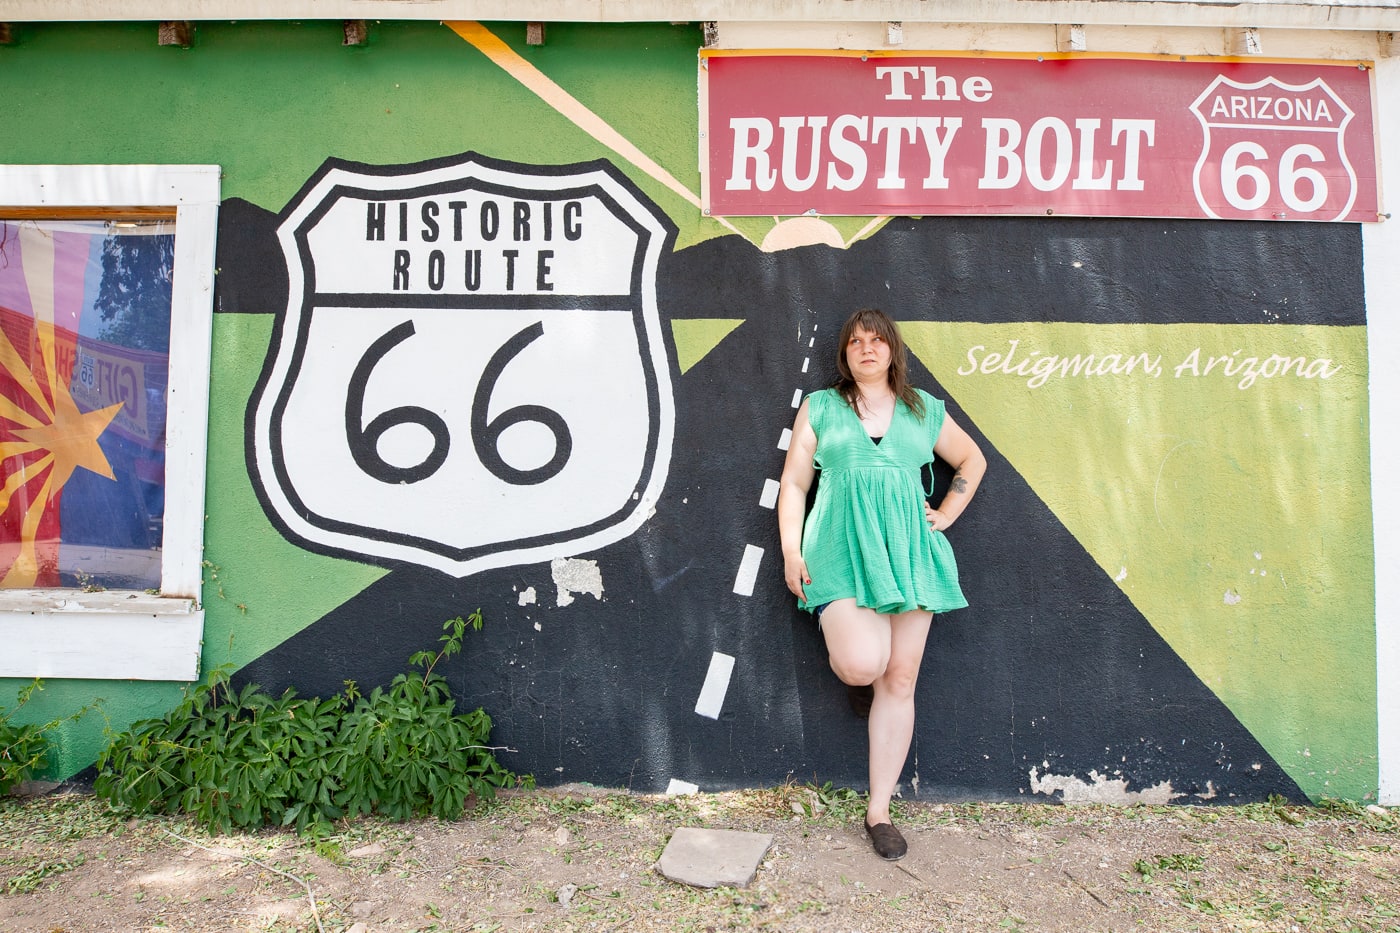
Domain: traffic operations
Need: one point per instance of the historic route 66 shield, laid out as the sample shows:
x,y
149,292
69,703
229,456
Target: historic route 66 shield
x,y
1273,151
470,372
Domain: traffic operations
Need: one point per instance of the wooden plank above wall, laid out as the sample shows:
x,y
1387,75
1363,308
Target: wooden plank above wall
x,y
86,213
1292,14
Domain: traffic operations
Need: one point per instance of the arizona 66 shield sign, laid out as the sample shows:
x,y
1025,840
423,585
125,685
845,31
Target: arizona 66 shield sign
x,y
1145,136
1271,149
423,399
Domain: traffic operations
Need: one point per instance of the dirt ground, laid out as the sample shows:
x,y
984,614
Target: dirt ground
x,y
582,858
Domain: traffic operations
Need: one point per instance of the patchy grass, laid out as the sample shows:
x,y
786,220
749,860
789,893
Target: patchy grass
x,y
584,858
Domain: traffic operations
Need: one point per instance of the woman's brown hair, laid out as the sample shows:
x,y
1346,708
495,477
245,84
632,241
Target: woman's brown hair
x,y
877,322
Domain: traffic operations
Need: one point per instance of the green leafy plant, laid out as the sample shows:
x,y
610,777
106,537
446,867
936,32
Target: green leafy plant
x,y
244,759
823,802
24,747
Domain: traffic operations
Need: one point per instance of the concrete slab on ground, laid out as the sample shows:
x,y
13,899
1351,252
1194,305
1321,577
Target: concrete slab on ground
x,y
709,858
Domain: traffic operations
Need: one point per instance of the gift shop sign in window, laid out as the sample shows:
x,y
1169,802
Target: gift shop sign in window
x,y
869,134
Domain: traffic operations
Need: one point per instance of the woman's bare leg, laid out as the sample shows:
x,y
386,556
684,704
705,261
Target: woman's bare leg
x,y
857,640
892,711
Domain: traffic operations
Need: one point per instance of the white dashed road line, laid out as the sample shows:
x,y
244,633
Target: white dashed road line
x,y
769,498
748,570
712,694
716,686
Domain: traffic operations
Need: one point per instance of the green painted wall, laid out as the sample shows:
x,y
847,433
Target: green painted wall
x,y
107,93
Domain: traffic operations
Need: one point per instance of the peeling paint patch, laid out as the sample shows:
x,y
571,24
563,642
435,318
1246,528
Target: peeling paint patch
x,y
527,596
1231,598
572,576
1101,790
1122,575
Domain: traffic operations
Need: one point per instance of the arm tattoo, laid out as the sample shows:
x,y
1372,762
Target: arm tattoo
x,y
959,483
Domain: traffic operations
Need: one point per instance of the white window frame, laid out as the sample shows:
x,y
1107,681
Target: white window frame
x,y
131,634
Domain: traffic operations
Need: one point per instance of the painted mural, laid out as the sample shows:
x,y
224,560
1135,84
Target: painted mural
x,y
476,346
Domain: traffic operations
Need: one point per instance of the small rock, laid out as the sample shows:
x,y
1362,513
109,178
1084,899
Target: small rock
x,y
566,894
1377,811
365,851
561,836
358,928
361,910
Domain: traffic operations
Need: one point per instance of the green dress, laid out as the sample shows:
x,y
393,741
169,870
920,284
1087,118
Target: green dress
x,y
866,536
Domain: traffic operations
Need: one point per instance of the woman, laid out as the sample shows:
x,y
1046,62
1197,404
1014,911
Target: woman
x,y
871,562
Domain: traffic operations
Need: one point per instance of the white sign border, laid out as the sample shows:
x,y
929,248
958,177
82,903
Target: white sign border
x,y
471,165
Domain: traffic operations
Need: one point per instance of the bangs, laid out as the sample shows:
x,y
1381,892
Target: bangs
x,y
875,321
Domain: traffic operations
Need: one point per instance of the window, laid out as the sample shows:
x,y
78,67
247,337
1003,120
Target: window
x,y
106,284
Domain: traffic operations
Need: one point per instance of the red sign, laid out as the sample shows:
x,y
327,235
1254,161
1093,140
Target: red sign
x,y
895,133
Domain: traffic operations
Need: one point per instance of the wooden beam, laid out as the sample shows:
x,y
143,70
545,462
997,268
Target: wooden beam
x,y
1070,38
1243,41
534,33
175,32
30,212
356,32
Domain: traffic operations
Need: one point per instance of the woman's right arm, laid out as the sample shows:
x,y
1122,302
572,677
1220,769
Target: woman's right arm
x,y
798,473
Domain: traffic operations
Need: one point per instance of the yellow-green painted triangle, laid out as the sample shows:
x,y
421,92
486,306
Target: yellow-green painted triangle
x,y
695,338
1233,511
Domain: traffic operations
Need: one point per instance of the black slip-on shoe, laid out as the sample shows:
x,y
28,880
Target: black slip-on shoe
x,y
888,842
